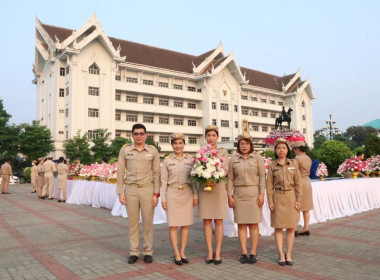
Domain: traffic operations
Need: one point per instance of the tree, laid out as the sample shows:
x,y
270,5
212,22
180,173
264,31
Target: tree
x,y
116,145
150,141
35,140
8,135
101,147
333,153
360,134
372,147
345,140
78,147
318,141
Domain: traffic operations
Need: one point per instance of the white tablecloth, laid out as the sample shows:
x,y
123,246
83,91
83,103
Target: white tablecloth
x,y
332,199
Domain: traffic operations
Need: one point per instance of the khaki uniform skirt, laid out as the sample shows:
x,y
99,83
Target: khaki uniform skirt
x,y
307,194
246,210
180,206
213,204
40,181
62,181
285,214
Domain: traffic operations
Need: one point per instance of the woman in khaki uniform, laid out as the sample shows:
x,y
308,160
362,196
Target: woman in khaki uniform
x,y
178,197
41,177
304,165
246,178
33,175
284,193
213,204
62,170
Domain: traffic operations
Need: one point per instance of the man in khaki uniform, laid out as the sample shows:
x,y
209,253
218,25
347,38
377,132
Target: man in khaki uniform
x,y
49,168
41,177
62,170
6,173
139,168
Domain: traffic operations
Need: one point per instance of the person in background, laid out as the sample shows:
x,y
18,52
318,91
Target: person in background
x,y
246,189
284,192
304,165
6,173
62,170
49,169
41,177
178,197
33,175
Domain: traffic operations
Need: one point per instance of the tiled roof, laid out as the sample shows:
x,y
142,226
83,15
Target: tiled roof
x,y
374,124
265,80
61,33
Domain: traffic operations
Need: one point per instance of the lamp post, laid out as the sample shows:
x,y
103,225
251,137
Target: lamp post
x,y
331,129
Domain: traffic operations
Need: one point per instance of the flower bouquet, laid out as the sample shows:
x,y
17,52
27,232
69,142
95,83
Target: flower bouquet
x,y
342,169
208,168
291,135
322,171
267,162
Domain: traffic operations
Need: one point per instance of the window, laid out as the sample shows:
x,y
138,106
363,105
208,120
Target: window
x,y
163,102
255,113
92,134
191,105
244,112
61,110
93,113
264,129
273,115
117,116
131,80
151,137
264,114
225,139
117,133
148,100
263,100
61,71
303,104
191,88
161,84
214,122
67,91
94,91
193,140
178,121
191,122
224,123
236,124
67,113
199,90
131,98
176,86
235,108
273,128
224,107
254,98
148,82
303,117
213,105
131,118
178,104
255,128
244,97
148,119
280,103
304,131
67,134
117,96
93,69
67,70
163,120
118,78
272,102
164,139
61,92
60,132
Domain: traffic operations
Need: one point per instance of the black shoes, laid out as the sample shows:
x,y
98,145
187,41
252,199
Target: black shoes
x,y
184,260
305,233
252,259
178,262
209,261
50,198
243,258
132,259
216,262
281,263
289,263
41,197
33,192
59,200
148,259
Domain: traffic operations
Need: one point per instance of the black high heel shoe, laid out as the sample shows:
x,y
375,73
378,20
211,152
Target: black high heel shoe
x,y
177,262
208,261
305,233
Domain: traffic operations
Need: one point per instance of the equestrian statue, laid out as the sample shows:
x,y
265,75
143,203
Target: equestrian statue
x,y
285,117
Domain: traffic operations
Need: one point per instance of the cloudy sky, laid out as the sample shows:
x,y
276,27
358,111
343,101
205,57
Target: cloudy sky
x,y
334,43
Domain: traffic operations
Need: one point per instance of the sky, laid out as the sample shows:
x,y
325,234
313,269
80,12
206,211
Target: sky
x,y
334,43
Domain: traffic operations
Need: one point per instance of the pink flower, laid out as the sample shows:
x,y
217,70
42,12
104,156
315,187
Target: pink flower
x,y
203,159
201,152
222,159
216,163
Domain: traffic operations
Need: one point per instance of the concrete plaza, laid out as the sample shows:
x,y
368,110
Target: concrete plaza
x,y
43,239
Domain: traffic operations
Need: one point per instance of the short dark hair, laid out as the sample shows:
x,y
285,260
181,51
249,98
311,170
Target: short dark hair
x,y
302,149
61,159
248,141
359,153
137,126
217,132
173,140
105,160
287,146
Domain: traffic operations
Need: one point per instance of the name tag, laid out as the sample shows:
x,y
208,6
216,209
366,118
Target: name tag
x,y
129,154
291,168
277,169
172,164
149,155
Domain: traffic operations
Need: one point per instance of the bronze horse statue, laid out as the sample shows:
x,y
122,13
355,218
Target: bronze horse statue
x,y
285,117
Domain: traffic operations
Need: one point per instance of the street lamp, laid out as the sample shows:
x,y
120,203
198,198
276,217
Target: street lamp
x,y
331,129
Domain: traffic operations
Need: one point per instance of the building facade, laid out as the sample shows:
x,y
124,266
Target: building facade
x,y
86,80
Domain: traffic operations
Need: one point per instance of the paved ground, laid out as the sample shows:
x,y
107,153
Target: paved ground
x,y
49,240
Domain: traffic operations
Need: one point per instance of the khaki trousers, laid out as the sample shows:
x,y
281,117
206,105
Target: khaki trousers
x,y
5,183
140,199
49,182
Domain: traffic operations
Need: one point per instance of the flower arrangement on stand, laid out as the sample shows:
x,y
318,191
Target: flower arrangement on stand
x,y
208,168
342,169
375,165
291,135
322,171
354,165
267,162
366,168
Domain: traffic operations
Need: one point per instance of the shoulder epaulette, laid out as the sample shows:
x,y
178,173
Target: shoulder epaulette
x,y
153,147
126,145
168,156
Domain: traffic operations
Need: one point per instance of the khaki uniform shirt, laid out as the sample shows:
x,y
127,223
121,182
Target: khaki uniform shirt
x,y
246,172
304,165
175,172
40,169
6,169
284,178
138,167
49,167
62,169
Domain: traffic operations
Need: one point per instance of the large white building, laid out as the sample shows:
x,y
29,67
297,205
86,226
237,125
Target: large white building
x,y
86,80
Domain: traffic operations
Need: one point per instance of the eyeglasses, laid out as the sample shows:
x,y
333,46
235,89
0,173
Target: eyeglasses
x,y
138,134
